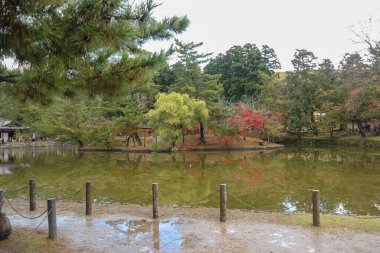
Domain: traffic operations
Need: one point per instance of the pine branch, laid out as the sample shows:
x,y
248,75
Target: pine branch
x,y
8,79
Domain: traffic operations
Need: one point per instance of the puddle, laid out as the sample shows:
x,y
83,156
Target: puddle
x,y
164,234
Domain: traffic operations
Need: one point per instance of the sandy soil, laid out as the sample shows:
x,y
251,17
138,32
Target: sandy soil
x,y
130,228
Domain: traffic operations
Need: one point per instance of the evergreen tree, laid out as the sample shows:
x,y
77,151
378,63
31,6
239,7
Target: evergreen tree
x,y
63,47
187,77
303,92
244,70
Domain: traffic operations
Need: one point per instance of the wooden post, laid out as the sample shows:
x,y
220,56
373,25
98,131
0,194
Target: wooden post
x,y
223,202
88,198
1,198
155,200
32,195
316,207
144,137
52,218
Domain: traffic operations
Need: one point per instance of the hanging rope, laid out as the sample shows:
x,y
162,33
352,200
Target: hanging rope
x,y
72,196
43,220
17,190
23,216
124,200
241,202
187,201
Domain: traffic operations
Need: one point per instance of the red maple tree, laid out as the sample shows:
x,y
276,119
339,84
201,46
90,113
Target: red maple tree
x,y
247,119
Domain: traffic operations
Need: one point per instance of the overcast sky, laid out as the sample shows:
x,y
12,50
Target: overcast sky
x,y
320,26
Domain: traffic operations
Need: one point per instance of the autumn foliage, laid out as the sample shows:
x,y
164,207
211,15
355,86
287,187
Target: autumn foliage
x,y
247,119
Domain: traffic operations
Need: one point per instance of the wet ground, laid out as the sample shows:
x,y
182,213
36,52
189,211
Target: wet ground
x,y
129,228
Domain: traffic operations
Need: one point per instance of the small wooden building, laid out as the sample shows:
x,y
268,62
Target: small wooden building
x,y
7,130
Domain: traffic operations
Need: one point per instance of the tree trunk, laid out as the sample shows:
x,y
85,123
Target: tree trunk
x,y
138,140
202,133
361,129
80,142
183,136
313,126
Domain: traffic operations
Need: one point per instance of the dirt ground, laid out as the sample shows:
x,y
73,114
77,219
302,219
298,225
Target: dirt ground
x,y
130,228
191,143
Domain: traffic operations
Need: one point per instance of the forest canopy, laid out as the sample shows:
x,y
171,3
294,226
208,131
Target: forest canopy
x,y
81,72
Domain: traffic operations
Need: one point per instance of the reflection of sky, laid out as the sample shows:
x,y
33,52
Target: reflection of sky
x,y
340,209
5,170
170,238
290,206
377,207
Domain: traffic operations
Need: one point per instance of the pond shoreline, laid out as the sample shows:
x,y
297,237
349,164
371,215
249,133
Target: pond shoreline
x,y
32,145
199,149
360,143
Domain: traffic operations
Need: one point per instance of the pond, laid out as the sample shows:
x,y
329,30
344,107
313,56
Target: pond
x,y
349,180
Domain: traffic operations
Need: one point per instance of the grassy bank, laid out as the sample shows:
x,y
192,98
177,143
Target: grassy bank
x,y
368,224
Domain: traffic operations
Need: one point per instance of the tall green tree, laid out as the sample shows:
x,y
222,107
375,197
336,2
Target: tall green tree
x,y
359,80
303,92
187,77
244,70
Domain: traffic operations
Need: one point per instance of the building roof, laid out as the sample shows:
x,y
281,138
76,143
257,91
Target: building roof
x,y
6,125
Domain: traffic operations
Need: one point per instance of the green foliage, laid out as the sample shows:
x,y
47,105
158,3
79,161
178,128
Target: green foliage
x,y
303,92
221,130
186,77
80,120
157,146
244,70
174,112
65,47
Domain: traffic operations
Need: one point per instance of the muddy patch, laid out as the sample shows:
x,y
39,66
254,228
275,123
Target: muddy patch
x,y
164,235
127,228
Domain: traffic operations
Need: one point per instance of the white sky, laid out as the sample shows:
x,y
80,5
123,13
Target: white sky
x,y
320,26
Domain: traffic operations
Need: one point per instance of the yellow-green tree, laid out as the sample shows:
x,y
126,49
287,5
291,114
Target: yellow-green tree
x,y
173,112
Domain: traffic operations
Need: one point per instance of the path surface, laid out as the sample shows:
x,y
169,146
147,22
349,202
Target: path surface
x,y
128,228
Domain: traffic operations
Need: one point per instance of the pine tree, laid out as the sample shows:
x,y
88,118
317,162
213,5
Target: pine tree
x,y
244,70
95,46
190,79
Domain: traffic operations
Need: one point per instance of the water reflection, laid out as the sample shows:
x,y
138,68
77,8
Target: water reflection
x,y
164,234
349,181
5,169
37,153
341,209
290,206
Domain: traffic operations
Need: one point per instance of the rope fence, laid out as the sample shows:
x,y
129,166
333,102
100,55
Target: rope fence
x,y
50,212
175,198
73,195
21,215
103,196
13,192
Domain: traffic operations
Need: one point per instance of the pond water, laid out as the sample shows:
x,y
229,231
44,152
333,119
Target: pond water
x,y
349,180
